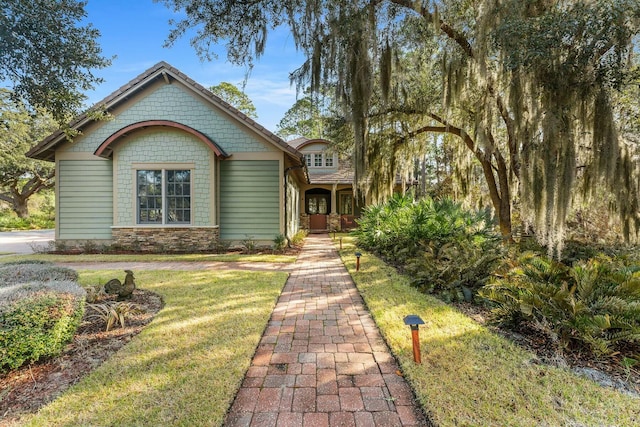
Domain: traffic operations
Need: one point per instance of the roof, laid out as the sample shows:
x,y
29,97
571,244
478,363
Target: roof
x,y
45,150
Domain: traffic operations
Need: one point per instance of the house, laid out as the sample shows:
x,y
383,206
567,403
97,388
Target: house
x,y
178,168
327,200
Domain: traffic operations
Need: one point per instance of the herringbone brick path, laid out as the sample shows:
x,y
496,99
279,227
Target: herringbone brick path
x,y
321,360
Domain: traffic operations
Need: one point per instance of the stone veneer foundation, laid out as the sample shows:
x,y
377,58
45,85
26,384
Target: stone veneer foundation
x,y
161,239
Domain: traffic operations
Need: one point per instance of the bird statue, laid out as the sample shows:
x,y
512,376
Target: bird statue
x,y
124,291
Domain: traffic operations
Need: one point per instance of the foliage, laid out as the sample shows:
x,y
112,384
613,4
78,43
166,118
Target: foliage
x,y
525,111
114,312
21,177
237,98
470,375
48,55
446,249
41,306
280,242
249,245
595,303
298,238
304,118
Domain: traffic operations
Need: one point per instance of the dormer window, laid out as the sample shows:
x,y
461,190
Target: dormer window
x,y
319,160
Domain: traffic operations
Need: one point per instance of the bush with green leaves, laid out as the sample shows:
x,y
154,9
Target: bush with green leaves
x,y
298,238
279,243
37,320
594,304
40,311
448,250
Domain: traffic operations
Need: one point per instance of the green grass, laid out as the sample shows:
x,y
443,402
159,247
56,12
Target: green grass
x,y
186,366
155,258
471,376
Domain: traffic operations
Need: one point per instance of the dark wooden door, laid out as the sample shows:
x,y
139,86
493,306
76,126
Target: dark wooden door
x,y
318,222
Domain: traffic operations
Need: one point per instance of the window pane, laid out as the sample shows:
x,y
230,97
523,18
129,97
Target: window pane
x,y
307,158
328,160
178,195
149,185
317,159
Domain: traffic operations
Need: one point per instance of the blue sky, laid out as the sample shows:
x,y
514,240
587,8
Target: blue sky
x,y
135,30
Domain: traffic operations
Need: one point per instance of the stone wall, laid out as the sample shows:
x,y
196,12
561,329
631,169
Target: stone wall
x,y
166,239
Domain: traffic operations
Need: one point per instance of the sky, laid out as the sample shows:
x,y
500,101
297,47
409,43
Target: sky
x,y
134,32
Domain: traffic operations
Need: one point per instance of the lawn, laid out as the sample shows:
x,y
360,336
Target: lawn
x,y
230,257
471,376
186,366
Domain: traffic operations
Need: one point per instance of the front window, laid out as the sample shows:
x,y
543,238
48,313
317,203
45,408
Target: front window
x,y
164,196
317,160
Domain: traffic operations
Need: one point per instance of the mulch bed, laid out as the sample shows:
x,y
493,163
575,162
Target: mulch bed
x,y
25,390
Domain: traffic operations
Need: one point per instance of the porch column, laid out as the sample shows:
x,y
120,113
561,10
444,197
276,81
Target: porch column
x,y
333,199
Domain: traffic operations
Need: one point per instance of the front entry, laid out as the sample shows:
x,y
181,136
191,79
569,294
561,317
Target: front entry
x,y
318,206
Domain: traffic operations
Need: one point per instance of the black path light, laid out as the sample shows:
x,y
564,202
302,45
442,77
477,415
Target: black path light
x,y
414,321
358,255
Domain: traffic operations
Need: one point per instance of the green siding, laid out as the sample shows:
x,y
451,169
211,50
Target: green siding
x,y
249,199
85,201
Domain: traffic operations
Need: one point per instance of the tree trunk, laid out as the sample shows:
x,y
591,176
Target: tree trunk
x,y
20,206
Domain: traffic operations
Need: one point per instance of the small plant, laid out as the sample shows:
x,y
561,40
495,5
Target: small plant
x,y
299,237
249,245
114,313
89,247
279,243
95,293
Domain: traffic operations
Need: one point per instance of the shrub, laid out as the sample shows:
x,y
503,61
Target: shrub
x,y
37,320
249,245
280,242
448,250
299,237
41,307
30,271
595,303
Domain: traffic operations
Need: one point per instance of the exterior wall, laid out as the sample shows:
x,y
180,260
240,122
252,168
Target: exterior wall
x,y
175,102
160,239
84,204
250,199
155,149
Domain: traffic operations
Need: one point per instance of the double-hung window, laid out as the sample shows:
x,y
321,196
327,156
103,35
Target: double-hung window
x,y
163,196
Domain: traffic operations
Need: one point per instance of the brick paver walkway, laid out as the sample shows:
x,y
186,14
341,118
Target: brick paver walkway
x,y
321,360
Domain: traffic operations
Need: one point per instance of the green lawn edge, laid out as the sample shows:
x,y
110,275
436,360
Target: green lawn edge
x,y
186,366
271,258
471,376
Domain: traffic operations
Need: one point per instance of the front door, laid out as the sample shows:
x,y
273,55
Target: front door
x,y
317,208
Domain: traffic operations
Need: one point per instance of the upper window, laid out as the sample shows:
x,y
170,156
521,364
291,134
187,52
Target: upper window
x,y
318,160
164,196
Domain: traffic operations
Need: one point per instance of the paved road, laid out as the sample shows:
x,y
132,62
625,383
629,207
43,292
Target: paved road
x,y
23,242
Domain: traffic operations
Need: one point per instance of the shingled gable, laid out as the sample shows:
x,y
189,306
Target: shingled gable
x,y
45,150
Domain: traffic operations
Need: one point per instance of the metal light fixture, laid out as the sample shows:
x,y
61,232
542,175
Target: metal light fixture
x,y
414,321
358,255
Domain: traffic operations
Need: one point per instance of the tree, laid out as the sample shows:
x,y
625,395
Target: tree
x,y
527,88
302,119
47,55
234,96
21,177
